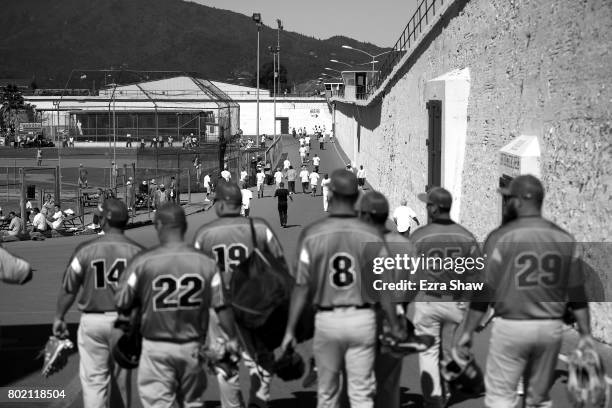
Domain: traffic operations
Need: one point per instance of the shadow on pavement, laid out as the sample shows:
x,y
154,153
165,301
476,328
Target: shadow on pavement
x,y
20,347
409,399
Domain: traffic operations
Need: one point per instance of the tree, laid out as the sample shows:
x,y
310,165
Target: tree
x,y
266,77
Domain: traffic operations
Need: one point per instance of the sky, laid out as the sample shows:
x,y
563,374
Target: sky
x,y
379,22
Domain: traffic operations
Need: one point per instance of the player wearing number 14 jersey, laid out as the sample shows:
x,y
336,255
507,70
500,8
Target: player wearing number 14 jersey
x,y
229,241
95,269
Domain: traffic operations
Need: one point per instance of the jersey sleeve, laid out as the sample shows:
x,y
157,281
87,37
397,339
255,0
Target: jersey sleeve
x,y
303,259
218,298
73,276
14,269
126,296
272,243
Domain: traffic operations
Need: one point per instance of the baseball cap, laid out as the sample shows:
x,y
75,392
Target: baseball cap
x,y
438,196
374,202
113,209
525,186
343,182
229,193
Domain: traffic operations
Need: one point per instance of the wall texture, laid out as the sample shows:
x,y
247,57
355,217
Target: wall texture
x,y
537,67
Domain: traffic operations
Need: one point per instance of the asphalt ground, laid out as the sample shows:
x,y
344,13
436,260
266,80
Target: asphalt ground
x,y
26,312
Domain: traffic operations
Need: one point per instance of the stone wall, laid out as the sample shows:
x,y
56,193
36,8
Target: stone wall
x,y
539,67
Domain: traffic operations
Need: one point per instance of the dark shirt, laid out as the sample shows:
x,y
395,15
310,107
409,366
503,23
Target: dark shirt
x,y
282,194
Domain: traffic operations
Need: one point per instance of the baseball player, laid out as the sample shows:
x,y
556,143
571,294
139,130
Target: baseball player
x,y
331,261
440,311
532,276
173,286
325,190
14,269
374,210
228,240
261,177
96,268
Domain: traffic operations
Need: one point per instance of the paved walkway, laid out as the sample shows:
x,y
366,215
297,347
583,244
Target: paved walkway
x,y
27,312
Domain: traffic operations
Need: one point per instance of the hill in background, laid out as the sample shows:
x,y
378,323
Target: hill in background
x,y
45,40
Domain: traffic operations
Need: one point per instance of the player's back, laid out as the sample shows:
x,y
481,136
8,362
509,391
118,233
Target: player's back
x,y
531,267
98,266
333,256
442,243
173,282
228,240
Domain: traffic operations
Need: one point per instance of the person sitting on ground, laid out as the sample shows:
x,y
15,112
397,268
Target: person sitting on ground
x,y
14,227
57,219
39,223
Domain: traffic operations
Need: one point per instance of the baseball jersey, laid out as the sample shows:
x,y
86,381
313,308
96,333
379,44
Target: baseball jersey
x,y
399,245
332,258
531,268
228,240
13,269
174,285
98,266
445,247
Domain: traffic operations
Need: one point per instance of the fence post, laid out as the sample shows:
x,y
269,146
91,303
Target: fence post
x,y
189,185
57,185
22,200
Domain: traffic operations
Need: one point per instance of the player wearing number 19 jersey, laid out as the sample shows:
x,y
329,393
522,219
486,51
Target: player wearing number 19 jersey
x,y
229,241
173,286
95,269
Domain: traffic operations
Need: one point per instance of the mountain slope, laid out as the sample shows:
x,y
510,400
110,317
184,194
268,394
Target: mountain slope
x,y
47,39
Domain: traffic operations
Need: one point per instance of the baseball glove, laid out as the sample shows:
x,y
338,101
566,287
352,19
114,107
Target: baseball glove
x,y
413,343
290,366
586,382
56,353
127,350
221,357
463,375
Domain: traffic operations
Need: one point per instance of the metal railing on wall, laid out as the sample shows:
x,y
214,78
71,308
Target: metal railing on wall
x,y
424,13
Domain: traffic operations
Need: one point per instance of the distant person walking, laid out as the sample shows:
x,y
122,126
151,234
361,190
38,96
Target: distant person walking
x,y
247,195
282,193
261,177
361,177
82,176
403,217
321,141
128,140
278,177
291,176
304,177
316,161
325,190
39,157
314,181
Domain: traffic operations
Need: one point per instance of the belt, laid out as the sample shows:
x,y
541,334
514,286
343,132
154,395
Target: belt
x,y
101,313
440,295
331,308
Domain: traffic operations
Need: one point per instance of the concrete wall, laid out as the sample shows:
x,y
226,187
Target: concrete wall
x,y
530,67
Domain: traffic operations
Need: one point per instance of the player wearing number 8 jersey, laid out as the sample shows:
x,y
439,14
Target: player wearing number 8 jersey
x,y
95,269
228,240
173,286
331,266
532,275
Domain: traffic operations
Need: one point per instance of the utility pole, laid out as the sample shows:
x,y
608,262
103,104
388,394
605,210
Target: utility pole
x,y
257,19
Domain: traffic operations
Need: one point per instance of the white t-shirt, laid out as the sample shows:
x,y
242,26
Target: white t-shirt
x,y
39,223
286,164
302,151
260,178
314,178
325,185
316,160
246,198
226,175
361,173
304,176
278,176
301,141
59,218
307,139
243,175
207,181
403,216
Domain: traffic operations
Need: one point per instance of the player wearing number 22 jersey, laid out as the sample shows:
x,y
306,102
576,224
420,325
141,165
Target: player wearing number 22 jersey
x,y
173,286
95,269
229,241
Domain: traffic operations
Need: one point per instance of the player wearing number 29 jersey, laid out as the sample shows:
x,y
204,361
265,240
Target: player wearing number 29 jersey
x,y
229,241
96,268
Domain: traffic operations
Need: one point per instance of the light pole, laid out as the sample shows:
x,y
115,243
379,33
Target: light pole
x,y
257,20
348,47
279,28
